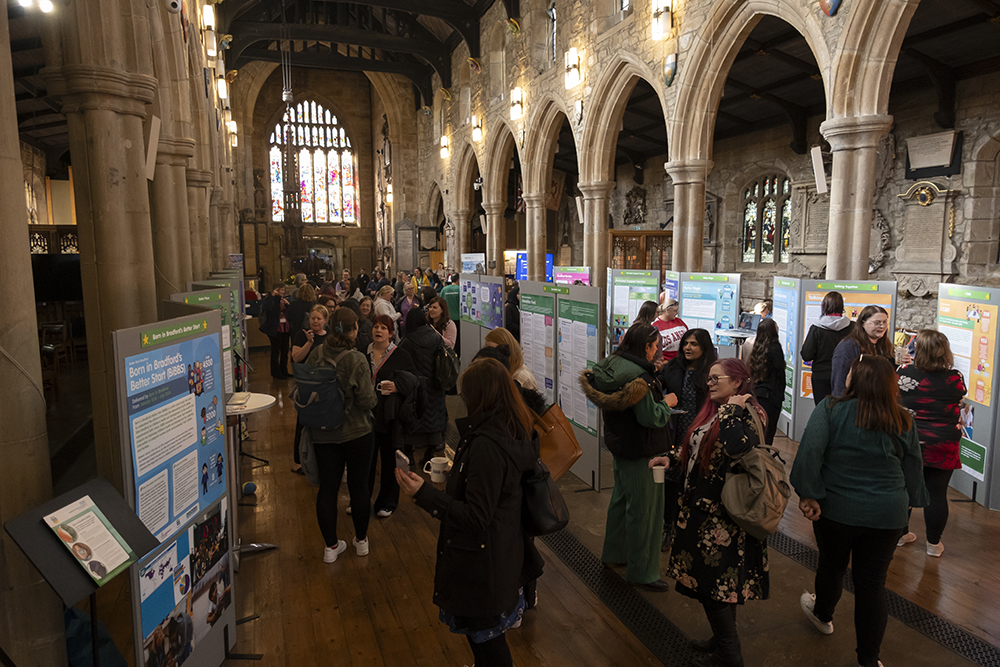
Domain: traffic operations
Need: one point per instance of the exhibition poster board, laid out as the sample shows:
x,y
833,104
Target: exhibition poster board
x,y
469,297
473,262
968,316
857,295
710,301
521,272
237,322
491,302
538,334
627,291
785,313
672,285
217,298
570,275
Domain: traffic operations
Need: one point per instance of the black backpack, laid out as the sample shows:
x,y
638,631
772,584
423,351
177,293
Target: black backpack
x,y
446,367
317,396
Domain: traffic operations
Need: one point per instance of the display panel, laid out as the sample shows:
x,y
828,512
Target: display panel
x,y
578,350
786,316
538,319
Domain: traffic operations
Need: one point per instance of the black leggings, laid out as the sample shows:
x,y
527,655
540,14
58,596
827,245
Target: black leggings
x,y
773,412
279,353
330,459
493,653
936,513
388,494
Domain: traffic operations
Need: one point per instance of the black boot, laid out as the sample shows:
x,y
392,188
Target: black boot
x,y
727,641
704,645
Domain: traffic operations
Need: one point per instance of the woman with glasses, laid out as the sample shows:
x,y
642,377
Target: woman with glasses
x,y
713,560
857,470
685,376
868,336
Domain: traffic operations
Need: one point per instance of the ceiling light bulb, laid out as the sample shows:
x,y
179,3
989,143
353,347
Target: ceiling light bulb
x,y
208,16
211,48
232,126
46,6
223,88
24,3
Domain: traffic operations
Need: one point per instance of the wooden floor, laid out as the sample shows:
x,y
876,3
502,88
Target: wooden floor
x,y
377,610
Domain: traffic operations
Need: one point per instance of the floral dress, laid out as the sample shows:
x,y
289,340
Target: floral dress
x,y
935,400
713,558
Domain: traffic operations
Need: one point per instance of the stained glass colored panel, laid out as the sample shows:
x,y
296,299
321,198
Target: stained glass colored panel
x,y
750,232
277,186
347,172
767,229
319,174
306,185
334,180
786,228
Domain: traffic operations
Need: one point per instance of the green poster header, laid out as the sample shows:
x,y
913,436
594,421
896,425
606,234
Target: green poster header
x,y
540,304
781,282
709,277
555,289
956,322
171,334
969,294
636,274
580,311
672,275
973,456
204,297
848,287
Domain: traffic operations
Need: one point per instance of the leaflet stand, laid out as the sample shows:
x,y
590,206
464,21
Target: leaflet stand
x,y
54,561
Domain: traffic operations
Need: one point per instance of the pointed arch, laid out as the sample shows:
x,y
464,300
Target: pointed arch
x,y
500,148
468,165
706,67
544,127
600,132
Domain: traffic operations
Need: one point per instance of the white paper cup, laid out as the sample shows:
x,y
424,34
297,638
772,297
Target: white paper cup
x,y
437,467
658,472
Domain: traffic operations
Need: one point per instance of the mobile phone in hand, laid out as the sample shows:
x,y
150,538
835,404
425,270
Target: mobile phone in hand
x,y
402,461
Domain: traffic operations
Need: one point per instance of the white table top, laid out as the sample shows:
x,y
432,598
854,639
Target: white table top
x,y
256,403
735,333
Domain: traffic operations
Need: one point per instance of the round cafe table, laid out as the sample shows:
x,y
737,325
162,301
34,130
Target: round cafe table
x,y
255,403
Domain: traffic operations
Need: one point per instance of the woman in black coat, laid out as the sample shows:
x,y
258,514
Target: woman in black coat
x,y
484,556
821,341
767,370
421,344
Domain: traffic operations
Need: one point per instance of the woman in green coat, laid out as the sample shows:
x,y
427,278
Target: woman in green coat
x,y
636,415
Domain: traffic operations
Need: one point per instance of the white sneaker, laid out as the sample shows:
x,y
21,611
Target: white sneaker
x,y
330,553
384,514
362,546
935,549
808,601
906,539
516,625
859,664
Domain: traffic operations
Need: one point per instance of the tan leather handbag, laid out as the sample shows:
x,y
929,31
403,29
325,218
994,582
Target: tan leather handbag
x,y
558,447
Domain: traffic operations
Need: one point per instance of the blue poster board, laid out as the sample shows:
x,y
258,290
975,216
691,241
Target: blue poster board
x,y
786,315
522,267
711,301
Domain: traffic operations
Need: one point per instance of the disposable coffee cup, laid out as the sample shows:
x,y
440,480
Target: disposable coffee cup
x,y
658,472
437,467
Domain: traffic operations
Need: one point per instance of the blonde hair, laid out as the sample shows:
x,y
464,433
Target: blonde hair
x,y
321,309
503,338
386,292
306,293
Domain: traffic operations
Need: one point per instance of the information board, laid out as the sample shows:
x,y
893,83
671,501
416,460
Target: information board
x,y
218,298
578,350
627,291
571,275
469,298
785,313
491,303
710,301
538,336
473,262
672,285
521,272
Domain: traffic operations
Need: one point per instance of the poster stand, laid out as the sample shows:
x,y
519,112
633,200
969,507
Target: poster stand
x,y
55,562
538,334
481,302
627,291
711,301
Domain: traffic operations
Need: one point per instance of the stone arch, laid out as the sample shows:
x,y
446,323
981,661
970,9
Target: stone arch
x,y
866,57
500,147
434,194
981,210
543,131
468,164
706,67
396,94
600,133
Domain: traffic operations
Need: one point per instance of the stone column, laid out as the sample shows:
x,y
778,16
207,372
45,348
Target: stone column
x,y
168,212
31,628
198,182
596,241
496,237
537,240
852,189
689,178
215,231
463,235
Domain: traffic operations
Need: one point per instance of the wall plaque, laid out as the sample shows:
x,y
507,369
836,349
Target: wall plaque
x,y
406,245
926,256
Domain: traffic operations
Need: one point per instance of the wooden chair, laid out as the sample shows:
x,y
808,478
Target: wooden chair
x,y
56,336
50,370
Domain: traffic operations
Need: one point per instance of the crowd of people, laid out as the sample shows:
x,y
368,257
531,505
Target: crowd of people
x,y
882,440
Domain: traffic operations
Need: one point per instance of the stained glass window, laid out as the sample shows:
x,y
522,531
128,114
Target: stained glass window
x,y
323,162
767,218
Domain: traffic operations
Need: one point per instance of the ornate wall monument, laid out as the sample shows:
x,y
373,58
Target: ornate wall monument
x,y
926,256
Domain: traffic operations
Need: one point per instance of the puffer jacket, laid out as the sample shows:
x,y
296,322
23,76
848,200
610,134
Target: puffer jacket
x,y
631,400
421,345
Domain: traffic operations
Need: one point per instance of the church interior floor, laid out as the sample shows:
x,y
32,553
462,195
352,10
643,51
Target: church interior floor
x,y
377,610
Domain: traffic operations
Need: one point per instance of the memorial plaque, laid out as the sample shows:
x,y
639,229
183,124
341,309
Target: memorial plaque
x,y
931,150
406,242
926,257
817,221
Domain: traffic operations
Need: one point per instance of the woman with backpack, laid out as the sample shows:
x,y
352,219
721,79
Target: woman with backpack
x,y
713,560
767,370
636,416
421,344
484,557
857,471
349,445
304,342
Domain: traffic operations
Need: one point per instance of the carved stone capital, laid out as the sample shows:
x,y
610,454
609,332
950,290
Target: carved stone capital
x,y
596,189
199,178
88,88
494,207
845,134
688,171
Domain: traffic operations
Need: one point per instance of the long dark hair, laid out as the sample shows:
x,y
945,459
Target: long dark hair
x,y
445,315
767,335
699,366
487,385
415,319
636,339
875,385
737,372
858,334
341,324
647,313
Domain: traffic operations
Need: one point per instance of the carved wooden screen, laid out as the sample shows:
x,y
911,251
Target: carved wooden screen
x,y
641,250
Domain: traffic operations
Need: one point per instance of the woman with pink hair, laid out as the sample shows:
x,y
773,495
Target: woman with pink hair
x,y
713,560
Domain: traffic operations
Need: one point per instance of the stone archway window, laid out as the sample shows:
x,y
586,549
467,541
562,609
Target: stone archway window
x,y
321,155
767,218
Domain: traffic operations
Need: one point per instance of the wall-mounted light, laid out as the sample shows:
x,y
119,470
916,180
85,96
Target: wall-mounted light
x,y
578,110
663,18
477,128
227,117
573,76
211,48
208,17
388,193
444,147
234,140
516,103
232,126
222,87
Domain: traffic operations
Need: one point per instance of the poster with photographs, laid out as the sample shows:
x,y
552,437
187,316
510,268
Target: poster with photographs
x,y
185,589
